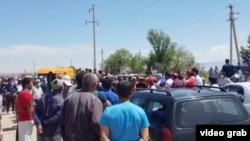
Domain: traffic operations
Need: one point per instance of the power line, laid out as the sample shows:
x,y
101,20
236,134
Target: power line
x,y
199,21
211,26
94,22
200,30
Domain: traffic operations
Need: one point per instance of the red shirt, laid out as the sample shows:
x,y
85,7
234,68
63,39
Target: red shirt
x,y
190,83
24,101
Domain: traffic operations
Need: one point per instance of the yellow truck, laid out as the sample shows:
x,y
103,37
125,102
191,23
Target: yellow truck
x,y
45,71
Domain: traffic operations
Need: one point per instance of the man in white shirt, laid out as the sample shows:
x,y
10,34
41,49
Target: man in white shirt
x,y
169,80
19,86
37,91
224,80
197,78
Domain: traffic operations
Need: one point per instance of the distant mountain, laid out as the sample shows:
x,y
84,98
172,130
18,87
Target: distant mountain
x,y
219,64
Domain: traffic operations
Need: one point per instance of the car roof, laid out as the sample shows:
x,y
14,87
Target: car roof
x,y
185,93
239,83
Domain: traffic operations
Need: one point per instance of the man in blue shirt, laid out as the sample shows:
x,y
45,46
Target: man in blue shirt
x,y
124,121
106,91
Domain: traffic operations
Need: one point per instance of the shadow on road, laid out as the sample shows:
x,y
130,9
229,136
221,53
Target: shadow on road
x,y
9,129
14,121
14,117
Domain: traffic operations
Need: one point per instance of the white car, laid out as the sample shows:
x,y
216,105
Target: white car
x,y
241,88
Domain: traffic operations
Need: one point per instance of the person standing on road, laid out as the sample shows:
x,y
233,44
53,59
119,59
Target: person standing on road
x,y
37,91
228,69
10,91
81,112
48,113
25,111
124,121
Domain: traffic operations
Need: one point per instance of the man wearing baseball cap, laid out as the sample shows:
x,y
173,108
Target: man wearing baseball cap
x,y
67,85
48,113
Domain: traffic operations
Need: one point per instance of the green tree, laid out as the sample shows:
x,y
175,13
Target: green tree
x,y
182,60
202,72
150,61
73,67
118,60
78,70
137,64
162,45
245,51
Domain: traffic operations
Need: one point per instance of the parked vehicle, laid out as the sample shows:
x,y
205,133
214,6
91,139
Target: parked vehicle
x,y
243,89
45,71
174,113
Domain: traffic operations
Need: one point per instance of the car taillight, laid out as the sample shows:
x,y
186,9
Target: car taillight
x,y
167,136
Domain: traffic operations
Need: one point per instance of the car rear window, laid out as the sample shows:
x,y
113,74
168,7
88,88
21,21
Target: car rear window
x,y
220,110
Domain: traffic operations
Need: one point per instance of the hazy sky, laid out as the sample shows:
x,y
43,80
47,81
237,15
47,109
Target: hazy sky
x,y
52,32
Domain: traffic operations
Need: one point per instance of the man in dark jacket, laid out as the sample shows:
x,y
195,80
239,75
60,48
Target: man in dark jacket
x,y
48,113
228,69
10,94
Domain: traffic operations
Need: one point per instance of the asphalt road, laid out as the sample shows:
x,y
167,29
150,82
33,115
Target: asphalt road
x,y
9,128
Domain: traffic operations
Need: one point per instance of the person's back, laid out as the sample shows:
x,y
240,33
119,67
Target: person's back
x,y
228,69
190,83
178,83
125,121
110,95
79,118
107,92
81,113
141,85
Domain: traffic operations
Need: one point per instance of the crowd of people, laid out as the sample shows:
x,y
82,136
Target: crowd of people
x,y
229,74
90,107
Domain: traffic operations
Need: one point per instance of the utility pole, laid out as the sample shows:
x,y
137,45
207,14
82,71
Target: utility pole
x,y
34,68
70,62
233,35
94,22
139,53
102,59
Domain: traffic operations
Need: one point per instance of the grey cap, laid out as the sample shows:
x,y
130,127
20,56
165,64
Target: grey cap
x,y
57,84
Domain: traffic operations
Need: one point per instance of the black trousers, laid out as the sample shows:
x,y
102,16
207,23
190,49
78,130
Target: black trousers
x,y
10,102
